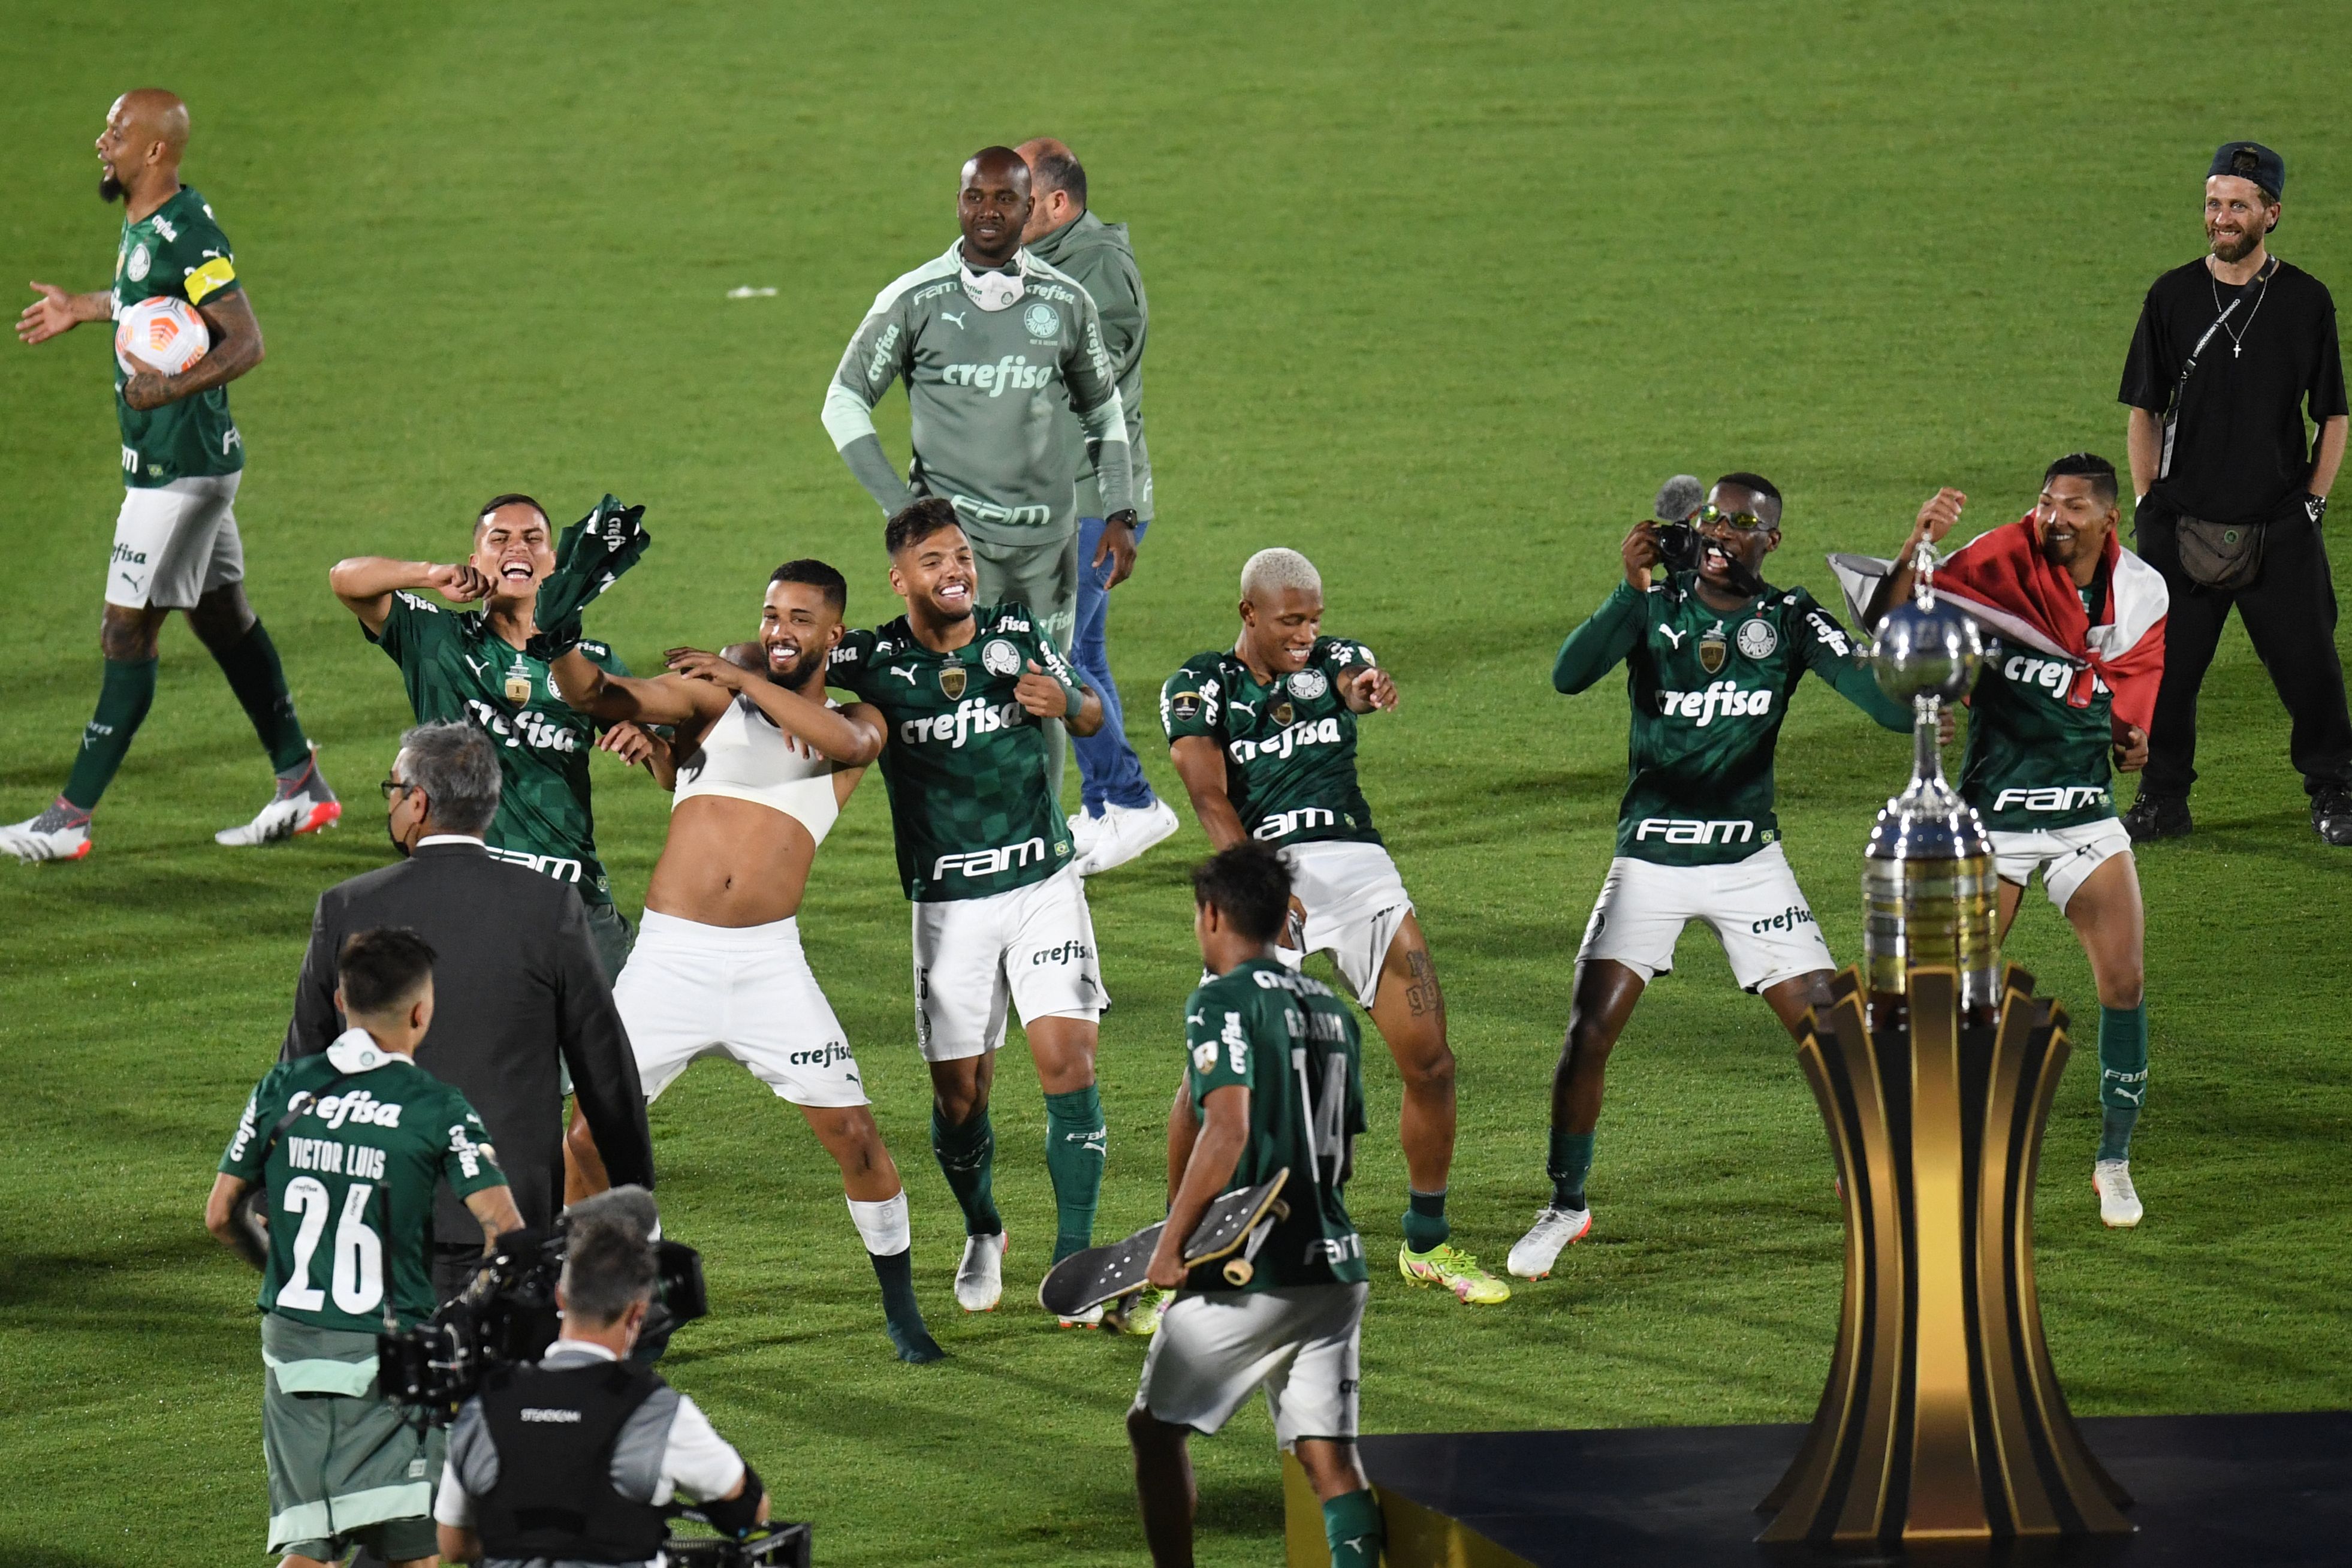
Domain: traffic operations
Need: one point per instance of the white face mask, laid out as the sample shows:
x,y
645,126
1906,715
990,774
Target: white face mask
x,y
992,292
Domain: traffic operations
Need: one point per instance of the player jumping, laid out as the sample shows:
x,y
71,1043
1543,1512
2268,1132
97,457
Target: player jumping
x,y
1264,737
1711,658
2081,622
1274,1080
175,540
1000,911
764,762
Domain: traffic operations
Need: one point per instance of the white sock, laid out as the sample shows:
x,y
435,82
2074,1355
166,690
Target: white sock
x,y
884,1225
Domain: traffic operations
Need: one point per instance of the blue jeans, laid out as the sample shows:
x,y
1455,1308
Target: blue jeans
x,y
1108,771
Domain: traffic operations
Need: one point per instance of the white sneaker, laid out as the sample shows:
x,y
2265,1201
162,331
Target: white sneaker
x,y
980,1278
1554,1229
1091,1317
2120,1207
1126,832
1084,831
49,837
303,805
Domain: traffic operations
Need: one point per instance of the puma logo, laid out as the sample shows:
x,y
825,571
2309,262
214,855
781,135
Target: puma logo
x,y
1670,635
1248,707
955,316
477,665
905,672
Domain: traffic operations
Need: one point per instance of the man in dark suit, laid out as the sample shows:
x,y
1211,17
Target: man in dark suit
x,y
520,989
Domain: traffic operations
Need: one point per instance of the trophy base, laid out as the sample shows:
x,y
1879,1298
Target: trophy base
x,y
2240,1489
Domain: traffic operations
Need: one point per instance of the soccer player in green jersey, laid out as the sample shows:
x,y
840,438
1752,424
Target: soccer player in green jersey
x,y
1272,1082
473,667
1711,658
2044,723
1000,911
1264,736
350,1146
999,350
175,540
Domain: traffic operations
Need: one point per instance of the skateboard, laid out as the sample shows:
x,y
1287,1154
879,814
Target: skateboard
x,y
1236,1227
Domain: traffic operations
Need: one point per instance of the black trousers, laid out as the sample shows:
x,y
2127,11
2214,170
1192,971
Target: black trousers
x,y
2290,616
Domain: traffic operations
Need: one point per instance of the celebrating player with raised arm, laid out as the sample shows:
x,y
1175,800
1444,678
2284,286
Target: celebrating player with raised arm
x,y
175,540
764,762
1273,1083
2080,624
1711,658
1000,911
474,666
1264,737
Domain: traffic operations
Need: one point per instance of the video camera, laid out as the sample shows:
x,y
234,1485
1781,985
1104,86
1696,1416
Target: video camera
x,y
768,1546
509,1314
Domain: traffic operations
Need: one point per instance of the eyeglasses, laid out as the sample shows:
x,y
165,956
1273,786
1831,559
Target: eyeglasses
x,y
393,787
1745,521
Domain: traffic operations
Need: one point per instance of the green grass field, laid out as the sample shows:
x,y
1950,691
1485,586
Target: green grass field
x,y
1439,304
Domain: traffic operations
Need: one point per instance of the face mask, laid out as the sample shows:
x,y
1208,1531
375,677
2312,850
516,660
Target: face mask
x,y
992,292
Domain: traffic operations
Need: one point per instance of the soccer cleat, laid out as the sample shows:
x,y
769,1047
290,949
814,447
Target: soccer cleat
x,y
1084,829
2119,1207
980,1278
2331,817
60,833
304,804
1454,1269
1554,1230
1141,1319
1123,833
1092,1317
2154,817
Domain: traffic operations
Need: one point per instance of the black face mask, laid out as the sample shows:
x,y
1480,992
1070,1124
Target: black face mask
x,y
388,833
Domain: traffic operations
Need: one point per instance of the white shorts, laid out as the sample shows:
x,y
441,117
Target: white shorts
x,y
2064,856
176,543
1754,907
1302,1345
691,990
1034,944
1355,902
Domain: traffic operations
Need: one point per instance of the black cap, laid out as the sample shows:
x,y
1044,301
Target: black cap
x,y
2252,161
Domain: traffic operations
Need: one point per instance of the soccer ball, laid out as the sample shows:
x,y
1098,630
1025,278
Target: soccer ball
x,y
165,332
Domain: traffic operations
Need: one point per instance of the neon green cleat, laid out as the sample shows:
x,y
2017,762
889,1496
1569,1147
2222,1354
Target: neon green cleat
x,y
1454,1269
1142,1320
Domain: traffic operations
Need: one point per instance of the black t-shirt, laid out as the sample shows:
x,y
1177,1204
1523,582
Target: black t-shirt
x,y
2239,453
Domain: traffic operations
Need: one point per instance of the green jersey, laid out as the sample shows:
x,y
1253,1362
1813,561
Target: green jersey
x,y
1293,1045
987,390
972,807
2034,761
1101,257
1289,745
1710,689
352,1181
179,251
456,668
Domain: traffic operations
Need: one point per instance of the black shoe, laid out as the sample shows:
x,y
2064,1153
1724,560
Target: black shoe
x,y
2154,817
2331,817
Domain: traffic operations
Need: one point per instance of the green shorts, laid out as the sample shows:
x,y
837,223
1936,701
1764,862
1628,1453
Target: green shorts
x,y
346,1468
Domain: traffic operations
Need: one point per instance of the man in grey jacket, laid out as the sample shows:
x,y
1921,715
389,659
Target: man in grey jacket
x,y
1121,817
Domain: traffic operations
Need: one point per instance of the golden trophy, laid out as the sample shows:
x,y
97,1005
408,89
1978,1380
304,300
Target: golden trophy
x,y
1942,1420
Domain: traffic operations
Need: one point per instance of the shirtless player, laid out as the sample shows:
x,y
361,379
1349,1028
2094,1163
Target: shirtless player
x,y
764,762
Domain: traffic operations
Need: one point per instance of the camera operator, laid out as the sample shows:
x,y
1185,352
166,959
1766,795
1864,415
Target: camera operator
x,y
573,1459
357,1139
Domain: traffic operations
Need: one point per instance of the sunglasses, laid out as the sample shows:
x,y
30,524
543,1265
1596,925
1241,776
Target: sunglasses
x,y
1744,522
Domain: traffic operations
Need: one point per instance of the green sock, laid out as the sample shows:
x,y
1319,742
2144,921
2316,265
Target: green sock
x,y
1425,1219
259,682
902,1320
1351,1526
965,1154
1570,1162
123,698
1076,1144
2123,1077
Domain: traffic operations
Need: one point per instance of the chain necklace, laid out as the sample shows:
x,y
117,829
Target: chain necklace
x,y
2238,339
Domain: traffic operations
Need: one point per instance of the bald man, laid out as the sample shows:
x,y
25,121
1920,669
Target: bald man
x,y
175,540
999,350
1119,817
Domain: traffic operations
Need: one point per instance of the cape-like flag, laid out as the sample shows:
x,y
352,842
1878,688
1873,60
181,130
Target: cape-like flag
x,y
2003,580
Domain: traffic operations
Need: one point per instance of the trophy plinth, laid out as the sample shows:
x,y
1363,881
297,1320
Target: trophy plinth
x,y
1942,1419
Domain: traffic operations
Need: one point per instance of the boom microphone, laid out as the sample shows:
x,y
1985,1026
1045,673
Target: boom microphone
x,y
1678,497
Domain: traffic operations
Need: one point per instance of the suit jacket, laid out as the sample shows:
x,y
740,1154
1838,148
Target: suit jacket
x,y
517,988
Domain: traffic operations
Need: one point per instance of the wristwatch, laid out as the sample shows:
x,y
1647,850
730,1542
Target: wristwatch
x,y
2314,507
1124,516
